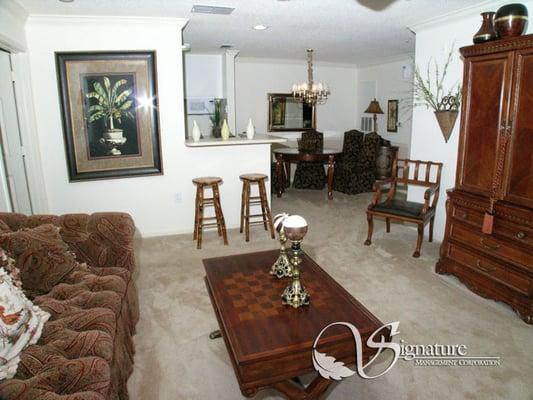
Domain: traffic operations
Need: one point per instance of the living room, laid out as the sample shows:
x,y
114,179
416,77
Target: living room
x,y
126,293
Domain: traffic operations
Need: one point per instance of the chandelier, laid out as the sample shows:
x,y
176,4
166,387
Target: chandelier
x,y
310,92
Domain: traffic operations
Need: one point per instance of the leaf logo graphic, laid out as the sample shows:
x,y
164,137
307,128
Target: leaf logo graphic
x,y
329,367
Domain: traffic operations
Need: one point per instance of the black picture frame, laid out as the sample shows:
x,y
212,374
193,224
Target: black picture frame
x,y
392,116
138,151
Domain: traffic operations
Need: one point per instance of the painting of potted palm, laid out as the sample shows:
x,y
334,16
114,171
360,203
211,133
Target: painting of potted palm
x,y
112,104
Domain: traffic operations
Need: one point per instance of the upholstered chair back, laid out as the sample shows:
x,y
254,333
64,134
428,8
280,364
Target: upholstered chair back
x,y
311,140
367,158
351,146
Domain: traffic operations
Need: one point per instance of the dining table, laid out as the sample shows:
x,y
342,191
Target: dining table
x,y
287,155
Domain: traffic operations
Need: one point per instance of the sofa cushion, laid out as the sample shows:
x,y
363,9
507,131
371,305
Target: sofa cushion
x,y
4,227
10,266
87,378
21,324
41,255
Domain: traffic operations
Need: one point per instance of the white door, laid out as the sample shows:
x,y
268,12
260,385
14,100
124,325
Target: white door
x,y
14,193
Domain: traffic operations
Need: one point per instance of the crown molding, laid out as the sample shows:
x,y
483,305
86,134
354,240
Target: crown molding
x,y
455,15
93,19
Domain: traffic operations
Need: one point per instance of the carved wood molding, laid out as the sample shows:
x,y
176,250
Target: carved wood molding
x,y
499,212
498,46
470,204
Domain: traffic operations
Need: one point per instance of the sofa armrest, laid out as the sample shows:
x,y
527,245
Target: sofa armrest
x,y
101,239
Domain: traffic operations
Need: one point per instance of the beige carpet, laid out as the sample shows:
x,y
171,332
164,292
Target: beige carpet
x,y
176,360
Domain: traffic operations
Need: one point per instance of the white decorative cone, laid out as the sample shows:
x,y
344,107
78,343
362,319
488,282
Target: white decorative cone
x,y
250,130
196,134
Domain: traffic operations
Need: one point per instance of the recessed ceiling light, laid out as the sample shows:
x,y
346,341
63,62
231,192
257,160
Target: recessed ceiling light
x,y
66,1
260,27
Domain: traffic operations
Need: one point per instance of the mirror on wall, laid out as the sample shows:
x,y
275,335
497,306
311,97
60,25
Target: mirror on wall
x,y
285,113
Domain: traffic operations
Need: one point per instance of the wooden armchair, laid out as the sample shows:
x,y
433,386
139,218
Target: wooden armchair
x,y
403,210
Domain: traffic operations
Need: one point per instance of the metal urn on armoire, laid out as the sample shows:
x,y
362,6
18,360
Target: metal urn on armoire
x,y
488,242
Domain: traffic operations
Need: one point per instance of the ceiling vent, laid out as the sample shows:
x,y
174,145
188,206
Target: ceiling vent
x,y
203,9
226,46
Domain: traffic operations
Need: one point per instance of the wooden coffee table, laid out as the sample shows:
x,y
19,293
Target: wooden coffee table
x,y
271,344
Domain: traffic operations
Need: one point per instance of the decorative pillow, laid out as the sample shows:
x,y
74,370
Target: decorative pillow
x,y
4,227
21,324
41,256
8,264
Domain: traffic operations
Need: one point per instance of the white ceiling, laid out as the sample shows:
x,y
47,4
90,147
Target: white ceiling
x,y
342,31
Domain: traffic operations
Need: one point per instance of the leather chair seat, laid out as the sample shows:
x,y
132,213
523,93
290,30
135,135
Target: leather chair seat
x,y
402,208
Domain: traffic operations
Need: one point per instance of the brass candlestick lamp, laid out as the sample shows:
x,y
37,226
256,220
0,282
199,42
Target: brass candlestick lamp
x,y
295,228
282,267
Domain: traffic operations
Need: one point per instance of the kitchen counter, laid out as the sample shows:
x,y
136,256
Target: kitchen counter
x,y
235,141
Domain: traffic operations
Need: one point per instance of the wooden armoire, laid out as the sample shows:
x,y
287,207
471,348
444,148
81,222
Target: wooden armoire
x,y
494,166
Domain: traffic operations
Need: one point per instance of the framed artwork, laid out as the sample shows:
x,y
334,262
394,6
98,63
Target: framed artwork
x,y
278,111
109,110
392,116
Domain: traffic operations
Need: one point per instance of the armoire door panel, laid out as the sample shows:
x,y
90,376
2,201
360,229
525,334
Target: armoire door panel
x,y
484,110
518,178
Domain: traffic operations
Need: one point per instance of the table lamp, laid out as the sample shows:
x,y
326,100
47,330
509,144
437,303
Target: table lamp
x,y
295,295
374,108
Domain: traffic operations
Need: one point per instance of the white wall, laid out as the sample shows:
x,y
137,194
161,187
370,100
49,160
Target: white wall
x,y
427,143
203,73
389,84
255,77
159,204
203,78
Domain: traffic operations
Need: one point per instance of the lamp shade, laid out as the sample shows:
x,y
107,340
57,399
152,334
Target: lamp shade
x,y
374,108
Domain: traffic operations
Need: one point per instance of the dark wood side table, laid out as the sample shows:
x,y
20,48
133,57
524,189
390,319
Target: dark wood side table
x,y
288,155
271,344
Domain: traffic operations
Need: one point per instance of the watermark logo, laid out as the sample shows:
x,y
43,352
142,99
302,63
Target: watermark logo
x,y
422,355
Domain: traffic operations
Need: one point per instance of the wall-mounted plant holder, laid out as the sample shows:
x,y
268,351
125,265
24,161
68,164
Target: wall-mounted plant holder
x,y
446,120
429,91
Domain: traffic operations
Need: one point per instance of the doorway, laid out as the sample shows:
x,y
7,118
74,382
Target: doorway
x,y
14,189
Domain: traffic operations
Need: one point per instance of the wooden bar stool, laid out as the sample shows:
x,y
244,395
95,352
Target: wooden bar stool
x,y
248,200
201,203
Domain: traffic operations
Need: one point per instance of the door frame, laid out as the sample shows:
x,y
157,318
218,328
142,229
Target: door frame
x,y
27,124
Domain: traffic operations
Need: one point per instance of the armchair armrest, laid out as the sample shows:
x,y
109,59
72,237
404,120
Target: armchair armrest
x,y
433,190
378,186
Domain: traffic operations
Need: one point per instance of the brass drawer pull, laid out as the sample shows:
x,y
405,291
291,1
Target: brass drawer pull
x,y
520,235
489,246
484,269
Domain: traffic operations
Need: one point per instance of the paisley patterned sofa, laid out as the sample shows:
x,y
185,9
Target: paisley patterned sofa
x,y
85,351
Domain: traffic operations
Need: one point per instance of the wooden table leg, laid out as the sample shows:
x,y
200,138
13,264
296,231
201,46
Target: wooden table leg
x,y
279,174
215,334
295,392
331,174
288,174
